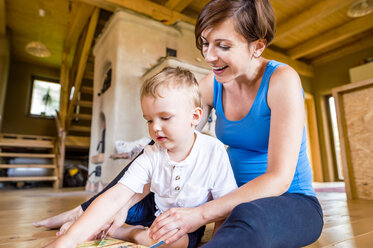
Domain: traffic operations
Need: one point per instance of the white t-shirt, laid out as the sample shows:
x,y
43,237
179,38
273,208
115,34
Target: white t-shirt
x,y
206,173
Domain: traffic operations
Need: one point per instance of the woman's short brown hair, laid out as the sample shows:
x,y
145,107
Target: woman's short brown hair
x,y
253,19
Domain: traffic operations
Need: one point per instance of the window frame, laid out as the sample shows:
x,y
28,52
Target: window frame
x,y
41,78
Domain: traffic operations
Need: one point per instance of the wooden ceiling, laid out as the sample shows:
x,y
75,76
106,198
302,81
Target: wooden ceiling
x,y
308,32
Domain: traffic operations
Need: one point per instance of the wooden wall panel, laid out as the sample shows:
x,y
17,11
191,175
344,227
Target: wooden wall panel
x,y
354,104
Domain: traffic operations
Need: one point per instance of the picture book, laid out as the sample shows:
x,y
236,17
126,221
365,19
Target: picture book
x,y
111,243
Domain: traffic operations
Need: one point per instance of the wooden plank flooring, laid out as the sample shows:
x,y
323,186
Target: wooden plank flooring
x,y
348,224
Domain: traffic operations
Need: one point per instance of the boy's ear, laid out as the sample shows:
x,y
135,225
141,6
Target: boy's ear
x,y
197,115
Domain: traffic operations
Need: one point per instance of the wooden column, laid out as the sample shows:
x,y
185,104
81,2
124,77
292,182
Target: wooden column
x,y
354,107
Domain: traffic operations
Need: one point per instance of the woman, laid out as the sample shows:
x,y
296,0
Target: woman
x,y
260,116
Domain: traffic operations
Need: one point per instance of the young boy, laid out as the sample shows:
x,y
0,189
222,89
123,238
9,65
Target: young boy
x,y
184,167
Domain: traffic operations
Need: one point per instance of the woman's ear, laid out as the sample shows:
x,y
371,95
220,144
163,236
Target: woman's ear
x,y
197,115
258,47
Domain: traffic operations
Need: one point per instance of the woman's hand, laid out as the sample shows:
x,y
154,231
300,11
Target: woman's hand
x,y
175,222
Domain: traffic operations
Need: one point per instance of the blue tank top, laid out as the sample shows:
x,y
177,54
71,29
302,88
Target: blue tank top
x,y
247,139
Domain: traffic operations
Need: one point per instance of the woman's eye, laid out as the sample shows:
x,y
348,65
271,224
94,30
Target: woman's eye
x,y
225,48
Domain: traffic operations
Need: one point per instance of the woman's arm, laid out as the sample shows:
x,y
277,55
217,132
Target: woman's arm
x,y
285,100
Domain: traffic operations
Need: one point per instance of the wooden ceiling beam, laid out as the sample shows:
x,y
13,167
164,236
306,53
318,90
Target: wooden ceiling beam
x,y
302,68
2,18
178,5
145,7
309,16
331,37
102,4
344,51
81,15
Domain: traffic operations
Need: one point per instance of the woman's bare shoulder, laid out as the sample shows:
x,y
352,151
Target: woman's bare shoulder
x,y
284,82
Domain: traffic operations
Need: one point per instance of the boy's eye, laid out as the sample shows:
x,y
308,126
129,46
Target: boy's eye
x,y
166,118
149,121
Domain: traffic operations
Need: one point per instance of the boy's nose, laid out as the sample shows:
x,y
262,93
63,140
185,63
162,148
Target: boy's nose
x,y
156,126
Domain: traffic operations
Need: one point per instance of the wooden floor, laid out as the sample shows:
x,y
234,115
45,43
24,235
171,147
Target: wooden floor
x,y
347,223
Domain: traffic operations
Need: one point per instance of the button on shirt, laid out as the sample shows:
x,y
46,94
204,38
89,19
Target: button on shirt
x,y
206,173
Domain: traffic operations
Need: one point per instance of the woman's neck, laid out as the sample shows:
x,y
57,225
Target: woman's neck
x,y
251,77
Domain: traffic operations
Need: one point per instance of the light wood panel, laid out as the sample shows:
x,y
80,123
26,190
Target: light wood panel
x,y
23,179
18,209
300,67
300,24
28,146
50,166
354,108
178,5
26,25
26,155
313,138
310,15
77,141
354,46
293,8
149,8
333,36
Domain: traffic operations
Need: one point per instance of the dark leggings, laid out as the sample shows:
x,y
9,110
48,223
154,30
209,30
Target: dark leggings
x,y
290,220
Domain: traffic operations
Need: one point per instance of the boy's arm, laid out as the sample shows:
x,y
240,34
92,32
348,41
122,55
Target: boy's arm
x,y
120,217
97,215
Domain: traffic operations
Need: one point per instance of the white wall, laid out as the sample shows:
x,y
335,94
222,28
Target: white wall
x,y
131,44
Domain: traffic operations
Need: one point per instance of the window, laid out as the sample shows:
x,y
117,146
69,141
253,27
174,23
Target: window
x,y
45,97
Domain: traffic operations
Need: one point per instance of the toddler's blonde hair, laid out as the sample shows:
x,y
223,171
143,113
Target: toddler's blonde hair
x,y
174,78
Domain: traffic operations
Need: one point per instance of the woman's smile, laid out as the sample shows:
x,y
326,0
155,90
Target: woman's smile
x,y
219,70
